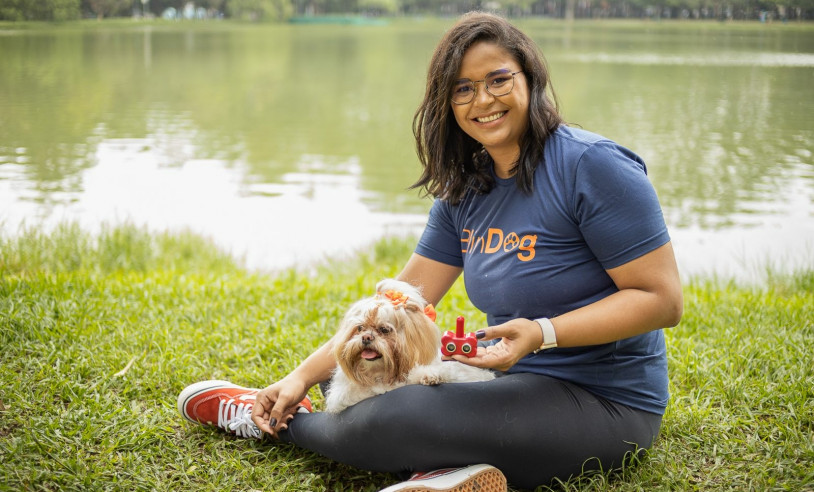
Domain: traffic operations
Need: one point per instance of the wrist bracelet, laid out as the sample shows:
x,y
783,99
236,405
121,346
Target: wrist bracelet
x,y
549,335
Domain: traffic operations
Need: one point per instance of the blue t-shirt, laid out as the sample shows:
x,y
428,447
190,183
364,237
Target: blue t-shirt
x,y
543,254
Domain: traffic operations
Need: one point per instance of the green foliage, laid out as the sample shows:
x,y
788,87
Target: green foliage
x,y
516,8
101,332
281,10
387,7
68,249
107,8
259,10
40,10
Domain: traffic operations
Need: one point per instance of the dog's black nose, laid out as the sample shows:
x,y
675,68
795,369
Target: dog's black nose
x,y
367,338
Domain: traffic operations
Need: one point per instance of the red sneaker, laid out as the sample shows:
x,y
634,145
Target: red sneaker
x,y
483,478
305,406
224,405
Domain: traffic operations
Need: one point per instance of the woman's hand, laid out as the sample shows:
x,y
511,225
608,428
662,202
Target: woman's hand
x,y
277,404
518,337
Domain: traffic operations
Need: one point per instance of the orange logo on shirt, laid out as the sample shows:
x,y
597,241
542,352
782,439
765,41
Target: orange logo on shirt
x,y
496,240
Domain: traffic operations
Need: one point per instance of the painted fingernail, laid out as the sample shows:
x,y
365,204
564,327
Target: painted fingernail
x,y
273,423
480,334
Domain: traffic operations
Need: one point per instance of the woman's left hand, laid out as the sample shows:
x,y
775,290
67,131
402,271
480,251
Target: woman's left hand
x,y
518,337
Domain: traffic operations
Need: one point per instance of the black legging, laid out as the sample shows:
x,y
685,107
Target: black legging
x,y
533,428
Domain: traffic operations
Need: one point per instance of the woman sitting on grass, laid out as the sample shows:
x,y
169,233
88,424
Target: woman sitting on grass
x,y
563,244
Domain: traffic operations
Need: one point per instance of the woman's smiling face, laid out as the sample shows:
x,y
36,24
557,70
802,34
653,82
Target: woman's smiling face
x,y
499,122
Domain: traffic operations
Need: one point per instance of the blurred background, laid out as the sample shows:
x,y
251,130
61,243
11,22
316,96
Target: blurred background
x,y
290,141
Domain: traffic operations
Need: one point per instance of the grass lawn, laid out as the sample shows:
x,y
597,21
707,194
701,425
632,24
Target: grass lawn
x,y
99,334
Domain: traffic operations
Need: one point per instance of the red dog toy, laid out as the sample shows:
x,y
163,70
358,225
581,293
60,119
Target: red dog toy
x,y
459,343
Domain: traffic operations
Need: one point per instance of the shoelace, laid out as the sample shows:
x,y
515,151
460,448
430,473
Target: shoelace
x,y
240,420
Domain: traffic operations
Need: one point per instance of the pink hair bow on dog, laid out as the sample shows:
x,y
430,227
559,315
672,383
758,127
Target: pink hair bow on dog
x,y
398,299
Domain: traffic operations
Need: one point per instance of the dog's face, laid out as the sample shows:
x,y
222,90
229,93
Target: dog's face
x,y
379,343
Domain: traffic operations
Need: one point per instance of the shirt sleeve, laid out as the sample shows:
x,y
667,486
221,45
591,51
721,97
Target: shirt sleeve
x,y
616,206
440,240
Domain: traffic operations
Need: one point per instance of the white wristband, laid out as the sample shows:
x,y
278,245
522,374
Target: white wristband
x,y
549,335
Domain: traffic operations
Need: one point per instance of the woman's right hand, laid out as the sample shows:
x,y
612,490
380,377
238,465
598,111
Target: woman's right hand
x,y
518,337
277,404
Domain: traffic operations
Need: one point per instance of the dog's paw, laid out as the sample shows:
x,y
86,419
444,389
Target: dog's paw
x,y
426,375
430,379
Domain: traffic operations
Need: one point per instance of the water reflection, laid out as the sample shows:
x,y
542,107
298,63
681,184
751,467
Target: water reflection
x,y
305,217
288,143
717,153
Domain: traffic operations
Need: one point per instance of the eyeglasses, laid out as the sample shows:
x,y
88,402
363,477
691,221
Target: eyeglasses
x,y
497,83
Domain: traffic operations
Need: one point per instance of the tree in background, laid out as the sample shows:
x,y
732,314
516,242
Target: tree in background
x,y
793,8
281,10
378,7
109,8
41,10
260,10
515,8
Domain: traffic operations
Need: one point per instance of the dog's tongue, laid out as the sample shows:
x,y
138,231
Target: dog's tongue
x,y
370,354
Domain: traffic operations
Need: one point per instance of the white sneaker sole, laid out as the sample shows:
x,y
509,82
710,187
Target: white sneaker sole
x,y
475,478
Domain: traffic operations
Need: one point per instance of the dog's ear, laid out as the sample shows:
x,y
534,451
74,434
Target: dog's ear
x,y
347,329
421,336
340,341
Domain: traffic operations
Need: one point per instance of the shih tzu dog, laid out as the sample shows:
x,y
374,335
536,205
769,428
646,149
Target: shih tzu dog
x,y
387,341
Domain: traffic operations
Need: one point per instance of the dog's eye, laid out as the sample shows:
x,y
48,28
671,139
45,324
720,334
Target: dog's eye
x,y
384,330
360,328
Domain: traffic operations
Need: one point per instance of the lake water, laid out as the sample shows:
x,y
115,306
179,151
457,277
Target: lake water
x,y
291,143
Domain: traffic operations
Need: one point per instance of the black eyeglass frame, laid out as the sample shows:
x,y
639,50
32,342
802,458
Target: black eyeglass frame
x,y
502,71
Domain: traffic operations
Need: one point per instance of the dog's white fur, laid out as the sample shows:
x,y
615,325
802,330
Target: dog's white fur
x,y
404,341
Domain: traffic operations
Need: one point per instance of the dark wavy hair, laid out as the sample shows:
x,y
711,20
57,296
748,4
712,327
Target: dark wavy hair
x,y
454,162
